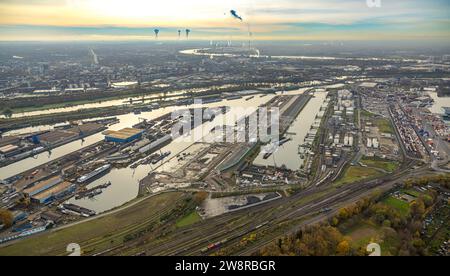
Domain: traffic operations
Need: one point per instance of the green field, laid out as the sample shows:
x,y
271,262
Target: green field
x,y
400,205
99,234
411,192
190,219
388,166
384,126
355,174
364,233
366,113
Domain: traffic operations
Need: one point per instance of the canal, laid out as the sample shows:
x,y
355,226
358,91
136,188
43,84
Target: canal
x,y
287,154
125,182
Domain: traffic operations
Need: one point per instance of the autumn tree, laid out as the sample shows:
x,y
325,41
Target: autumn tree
x,y
343,248
417,209
200,197
6,217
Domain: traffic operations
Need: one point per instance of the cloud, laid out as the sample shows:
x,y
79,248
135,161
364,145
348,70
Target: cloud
x,y
207,18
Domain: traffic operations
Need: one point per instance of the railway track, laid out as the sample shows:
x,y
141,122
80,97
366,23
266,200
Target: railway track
x,y
275,212
232,227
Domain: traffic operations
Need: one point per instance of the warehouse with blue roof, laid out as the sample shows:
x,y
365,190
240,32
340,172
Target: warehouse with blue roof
x,y
123,136
49,190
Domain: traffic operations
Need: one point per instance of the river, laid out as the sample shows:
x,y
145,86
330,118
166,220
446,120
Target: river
x,y
125,182
174,95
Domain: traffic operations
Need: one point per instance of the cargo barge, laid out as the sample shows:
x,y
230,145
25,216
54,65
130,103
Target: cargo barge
x,y
94,174
91,193
77,209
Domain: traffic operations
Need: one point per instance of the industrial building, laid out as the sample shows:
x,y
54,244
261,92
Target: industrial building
x,y
236,158
55,192
53,137
156,144
373,143
125,135
19,216
42,186
66,134
8,150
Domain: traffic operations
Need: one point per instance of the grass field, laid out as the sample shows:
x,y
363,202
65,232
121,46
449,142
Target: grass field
x,y
400,205
366,113
388,166
189,219
411,192
364,232
355,174
384,126
99,234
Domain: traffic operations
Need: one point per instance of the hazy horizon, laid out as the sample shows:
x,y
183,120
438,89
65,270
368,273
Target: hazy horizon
x,y
286,20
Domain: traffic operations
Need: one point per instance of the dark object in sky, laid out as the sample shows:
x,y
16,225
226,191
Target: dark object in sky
x,y
187,33
156,33
235,15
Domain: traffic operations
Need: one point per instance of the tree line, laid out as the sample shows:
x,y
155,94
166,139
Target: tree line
x,y
327,238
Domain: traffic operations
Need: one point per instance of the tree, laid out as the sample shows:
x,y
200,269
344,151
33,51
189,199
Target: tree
x,y
6,217
343,248
417,209
334,221
343,214
200,197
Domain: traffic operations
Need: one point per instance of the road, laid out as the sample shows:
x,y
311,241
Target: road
x,y
269,221
232,227
298,210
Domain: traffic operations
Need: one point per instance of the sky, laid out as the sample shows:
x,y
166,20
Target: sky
x,y
53,20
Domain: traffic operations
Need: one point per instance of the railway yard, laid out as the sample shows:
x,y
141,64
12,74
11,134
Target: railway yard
x,y
231,191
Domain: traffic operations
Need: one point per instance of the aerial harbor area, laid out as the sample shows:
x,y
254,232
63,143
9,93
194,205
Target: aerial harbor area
x,y
190,143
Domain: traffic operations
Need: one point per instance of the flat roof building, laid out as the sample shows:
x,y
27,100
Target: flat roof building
x,y
42,186
8,148
125,135
54,192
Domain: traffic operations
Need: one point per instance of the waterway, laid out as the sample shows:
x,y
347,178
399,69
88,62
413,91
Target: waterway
x,y
287,154
204,52
125,182
126,120
176,94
